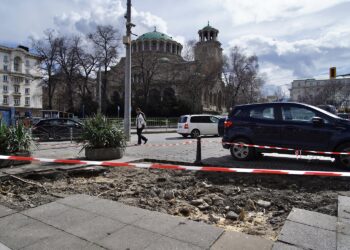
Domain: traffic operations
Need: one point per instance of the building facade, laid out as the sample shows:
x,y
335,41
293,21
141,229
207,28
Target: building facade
x,y
335,91
20,83
162,77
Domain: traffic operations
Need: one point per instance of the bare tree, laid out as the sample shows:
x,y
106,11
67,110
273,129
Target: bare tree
x,y
279,93
148,65
69,64
87,62
47,48
106,40
188,50
241,77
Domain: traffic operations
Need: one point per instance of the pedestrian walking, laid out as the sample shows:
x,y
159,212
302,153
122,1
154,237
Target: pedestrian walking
x,y
140,125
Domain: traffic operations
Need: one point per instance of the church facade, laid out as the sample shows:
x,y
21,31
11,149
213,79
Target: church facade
x,y
164,83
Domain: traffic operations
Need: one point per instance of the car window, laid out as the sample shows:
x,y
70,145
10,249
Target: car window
x,y
214,119
264,113
206,119
183,119
299,114
195,119
70,122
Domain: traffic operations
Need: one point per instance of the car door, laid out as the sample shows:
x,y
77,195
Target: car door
x,y
207,125
74,127
264,125
213,125
299,132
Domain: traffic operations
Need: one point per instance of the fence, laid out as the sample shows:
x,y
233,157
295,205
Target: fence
x,y
152,122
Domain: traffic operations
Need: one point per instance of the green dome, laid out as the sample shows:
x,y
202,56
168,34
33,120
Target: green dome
x,y
208,27
155,35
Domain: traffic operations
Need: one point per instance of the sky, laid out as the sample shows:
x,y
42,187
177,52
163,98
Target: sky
x,y
293,39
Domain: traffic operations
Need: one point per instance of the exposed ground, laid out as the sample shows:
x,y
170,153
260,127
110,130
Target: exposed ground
x,y
254,204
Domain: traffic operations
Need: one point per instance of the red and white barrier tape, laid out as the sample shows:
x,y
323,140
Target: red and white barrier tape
x,y
179,167
299,152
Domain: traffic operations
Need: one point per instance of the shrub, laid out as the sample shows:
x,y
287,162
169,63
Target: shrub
x,y
14,139
99,132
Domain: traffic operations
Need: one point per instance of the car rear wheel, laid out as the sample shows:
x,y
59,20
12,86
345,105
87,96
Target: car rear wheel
x,y
343,160
195,133
240,152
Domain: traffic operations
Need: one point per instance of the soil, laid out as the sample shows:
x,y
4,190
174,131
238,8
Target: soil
x,y
253,204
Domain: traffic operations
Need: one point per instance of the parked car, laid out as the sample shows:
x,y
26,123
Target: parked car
x,y
292,125
329,108
195,125
57,128
221,125
344,115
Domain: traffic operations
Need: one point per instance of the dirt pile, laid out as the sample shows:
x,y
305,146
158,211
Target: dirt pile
x,y
253,204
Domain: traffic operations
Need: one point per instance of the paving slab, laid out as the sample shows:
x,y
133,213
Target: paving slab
x,y
196,233
308,237
313,219
62,241
129,237
284,246
115,210
343,226
344,207
47,211
27,235
70,218
343,242
159,222
4,211
13,222
95,229
238,241
77,200
171,244
3,247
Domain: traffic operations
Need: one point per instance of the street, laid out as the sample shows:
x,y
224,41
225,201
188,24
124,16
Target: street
x,y
173,148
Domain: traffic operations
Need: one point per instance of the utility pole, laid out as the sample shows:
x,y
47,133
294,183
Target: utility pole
x,y
99,110
127,42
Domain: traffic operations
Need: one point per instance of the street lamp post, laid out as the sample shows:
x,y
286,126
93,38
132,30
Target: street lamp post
x,y
127,42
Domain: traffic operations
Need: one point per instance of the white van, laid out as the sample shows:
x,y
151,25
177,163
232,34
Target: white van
x,y
196,125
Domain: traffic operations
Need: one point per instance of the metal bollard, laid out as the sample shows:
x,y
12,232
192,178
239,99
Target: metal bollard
x,y
71,134
199,152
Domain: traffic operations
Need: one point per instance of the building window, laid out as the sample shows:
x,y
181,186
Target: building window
x,y
27,91
4,78
5,67
5,100
16,87
27,63
16,64
6,59
27,81
27,101
4,89
17,101
17,79
27,71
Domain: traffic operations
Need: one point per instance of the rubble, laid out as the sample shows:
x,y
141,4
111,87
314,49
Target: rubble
x,y
255,204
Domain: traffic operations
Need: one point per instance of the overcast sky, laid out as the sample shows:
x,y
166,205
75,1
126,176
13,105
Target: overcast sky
x,y
293,39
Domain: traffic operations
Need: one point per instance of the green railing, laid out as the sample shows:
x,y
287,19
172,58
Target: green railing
x,y
152,122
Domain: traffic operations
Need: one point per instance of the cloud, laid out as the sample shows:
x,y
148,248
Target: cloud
x,y
255,11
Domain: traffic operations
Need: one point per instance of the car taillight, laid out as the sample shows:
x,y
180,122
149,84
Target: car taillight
x,y
186,125
228,124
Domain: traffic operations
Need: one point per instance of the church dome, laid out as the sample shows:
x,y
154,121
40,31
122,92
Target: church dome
x,y
155,35
156,42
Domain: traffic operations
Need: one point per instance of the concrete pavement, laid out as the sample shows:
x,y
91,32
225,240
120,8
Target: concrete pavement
x,y
86,222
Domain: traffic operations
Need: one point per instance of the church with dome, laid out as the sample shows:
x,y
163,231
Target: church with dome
x,y
166,81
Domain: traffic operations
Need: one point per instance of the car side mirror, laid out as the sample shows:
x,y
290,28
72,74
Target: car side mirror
x,y
317,121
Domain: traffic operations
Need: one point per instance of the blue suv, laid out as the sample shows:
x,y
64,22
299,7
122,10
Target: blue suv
x,y
291,125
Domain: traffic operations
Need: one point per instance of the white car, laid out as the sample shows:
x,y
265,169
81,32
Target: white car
x,y
195,125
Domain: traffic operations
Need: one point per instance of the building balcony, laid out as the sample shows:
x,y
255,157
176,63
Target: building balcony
x,y
17,93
